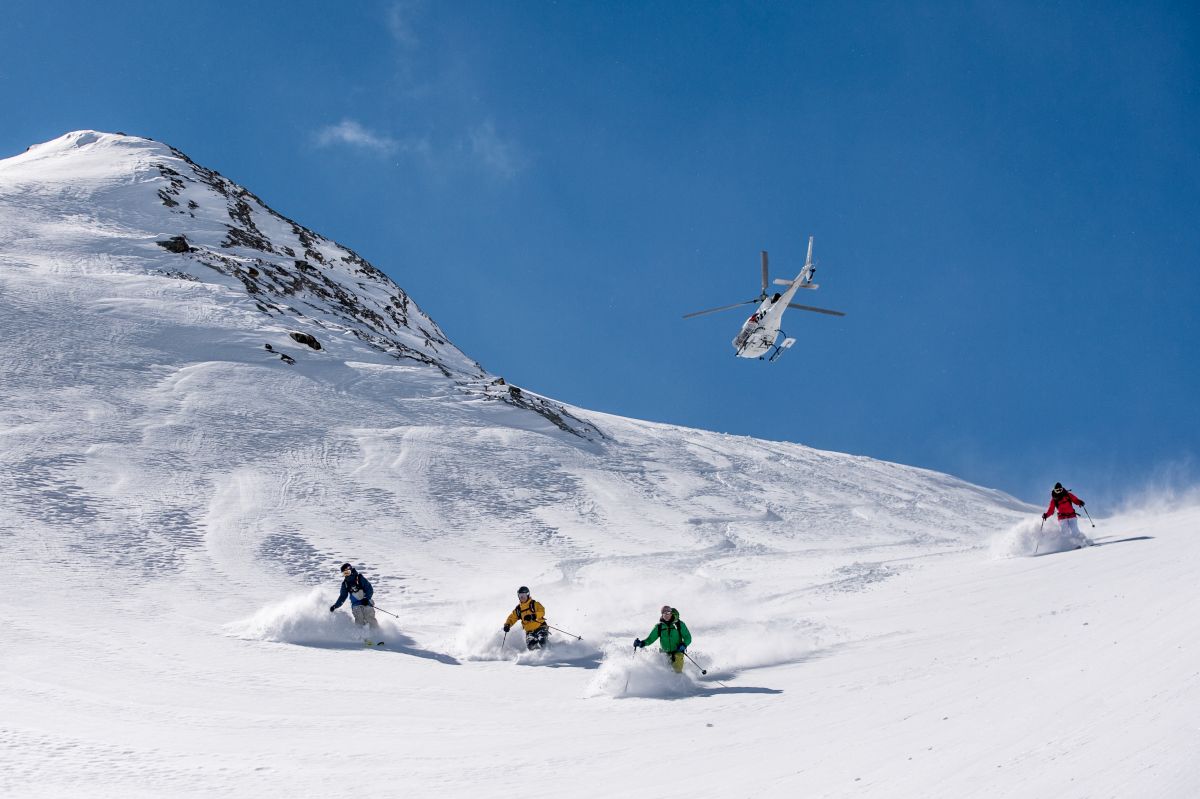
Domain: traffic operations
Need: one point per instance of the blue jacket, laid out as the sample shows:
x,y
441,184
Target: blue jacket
x,y
351,584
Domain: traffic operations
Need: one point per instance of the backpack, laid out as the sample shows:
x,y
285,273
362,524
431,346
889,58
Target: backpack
x,y
532,609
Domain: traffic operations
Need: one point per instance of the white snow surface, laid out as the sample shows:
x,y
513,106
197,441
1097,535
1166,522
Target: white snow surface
x,y
176,501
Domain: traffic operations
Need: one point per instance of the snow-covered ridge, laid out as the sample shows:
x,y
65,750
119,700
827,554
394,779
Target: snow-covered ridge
x,y
209,224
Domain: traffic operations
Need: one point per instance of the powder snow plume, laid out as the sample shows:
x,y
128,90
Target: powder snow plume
x,y
304,619
644,673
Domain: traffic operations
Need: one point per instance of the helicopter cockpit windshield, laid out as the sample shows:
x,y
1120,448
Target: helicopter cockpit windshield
x,y
753,325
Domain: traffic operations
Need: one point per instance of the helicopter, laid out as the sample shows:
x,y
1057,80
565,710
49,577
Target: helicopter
x,y
759,333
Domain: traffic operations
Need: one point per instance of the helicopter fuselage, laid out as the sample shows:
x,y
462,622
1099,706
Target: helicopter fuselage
x,y
758,333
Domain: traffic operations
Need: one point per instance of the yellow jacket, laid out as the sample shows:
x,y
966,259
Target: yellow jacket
x,y
531,614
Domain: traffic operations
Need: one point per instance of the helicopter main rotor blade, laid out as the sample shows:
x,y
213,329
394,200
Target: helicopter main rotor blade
x,y
722,308
815,310
764,262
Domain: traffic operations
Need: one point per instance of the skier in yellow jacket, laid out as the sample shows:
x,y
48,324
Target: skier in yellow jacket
x,y
532,617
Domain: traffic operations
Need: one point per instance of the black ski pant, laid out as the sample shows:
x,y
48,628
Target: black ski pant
x,y
536,639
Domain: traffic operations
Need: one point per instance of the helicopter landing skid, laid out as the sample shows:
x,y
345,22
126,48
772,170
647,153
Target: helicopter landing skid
x,y
786,344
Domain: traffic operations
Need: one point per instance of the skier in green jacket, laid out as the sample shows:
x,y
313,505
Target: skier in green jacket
x,y
672,635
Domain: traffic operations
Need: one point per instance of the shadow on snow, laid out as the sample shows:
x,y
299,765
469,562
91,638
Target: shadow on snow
x,y
733,689
1097,543
393,642
588,658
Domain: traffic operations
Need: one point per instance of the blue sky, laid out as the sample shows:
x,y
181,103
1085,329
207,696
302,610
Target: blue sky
x,y
1005,199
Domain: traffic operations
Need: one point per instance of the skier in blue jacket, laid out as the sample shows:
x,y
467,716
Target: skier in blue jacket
x,y
355,586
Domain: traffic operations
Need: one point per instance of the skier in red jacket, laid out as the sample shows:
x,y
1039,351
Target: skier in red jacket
x,y
1063,502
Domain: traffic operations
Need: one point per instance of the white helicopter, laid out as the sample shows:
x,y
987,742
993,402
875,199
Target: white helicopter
x,y
758,334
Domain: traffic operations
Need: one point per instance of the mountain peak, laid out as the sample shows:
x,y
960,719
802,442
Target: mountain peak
x,y
74,150
90,202
167,215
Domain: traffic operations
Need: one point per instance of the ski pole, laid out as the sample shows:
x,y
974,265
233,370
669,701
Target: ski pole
x,y
388,612
573,635
704,671
1039,539
1085,510
504,640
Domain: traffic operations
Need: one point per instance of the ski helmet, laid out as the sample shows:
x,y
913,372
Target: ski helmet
x,y
523,590
346,567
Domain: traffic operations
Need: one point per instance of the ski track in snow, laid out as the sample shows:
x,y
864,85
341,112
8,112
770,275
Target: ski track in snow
x,y
177,501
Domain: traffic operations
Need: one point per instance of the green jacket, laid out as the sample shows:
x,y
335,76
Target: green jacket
x,y
670,636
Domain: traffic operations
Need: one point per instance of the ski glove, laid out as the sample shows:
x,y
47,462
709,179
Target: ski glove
x,y
682,648
507,627
637,643
1045,516
332,608
1082,503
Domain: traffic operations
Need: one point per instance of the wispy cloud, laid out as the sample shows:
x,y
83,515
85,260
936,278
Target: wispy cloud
x,y
432,85
352,133
349,133
400,22
500,156
457,140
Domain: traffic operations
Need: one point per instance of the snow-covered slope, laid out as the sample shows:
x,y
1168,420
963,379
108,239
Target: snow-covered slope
x,y
177,498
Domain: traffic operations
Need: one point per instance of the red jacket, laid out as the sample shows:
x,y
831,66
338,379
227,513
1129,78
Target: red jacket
x,y
1064,504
